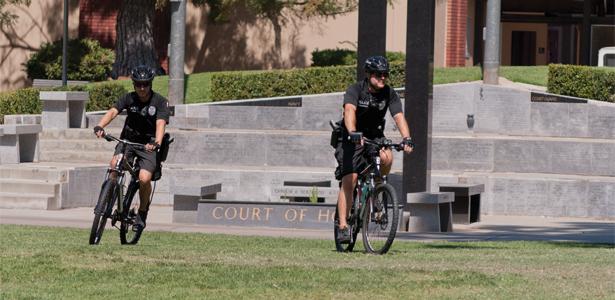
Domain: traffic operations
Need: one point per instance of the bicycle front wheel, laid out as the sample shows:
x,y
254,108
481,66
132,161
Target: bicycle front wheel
x,y
380,219
129,233
102,211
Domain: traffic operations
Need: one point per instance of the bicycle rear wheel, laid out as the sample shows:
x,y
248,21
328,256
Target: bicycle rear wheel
x,y
380,219
102,211
129,233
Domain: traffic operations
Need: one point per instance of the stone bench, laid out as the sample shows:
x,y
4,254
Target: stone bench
x,y
430,212
19,143
303,191
466,207
186,200
64,109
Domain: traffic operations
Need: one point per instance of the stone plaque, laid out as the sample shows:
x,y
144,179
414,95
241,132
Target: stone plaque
x,y
266,214
546,97
304,191
278,101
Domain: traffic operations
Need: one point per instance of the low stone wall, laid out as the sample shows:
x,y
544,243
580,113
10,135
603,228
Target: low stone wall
x,y
536,154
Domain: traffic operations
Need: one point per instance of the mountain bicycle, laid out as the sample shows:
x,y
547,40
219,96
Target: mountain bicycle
x,y
375,208
112,193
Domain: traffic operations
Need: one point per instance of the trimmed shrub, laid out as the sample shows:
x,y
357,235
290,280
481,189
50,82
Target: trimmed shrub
x,y
333,57
345,57
87,60
596,83
22,101
317,80
27,101
103,95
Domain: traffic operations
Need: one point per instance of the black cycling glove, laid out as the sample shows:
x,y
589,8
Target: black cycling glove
x,y
97,129
156,145
407,141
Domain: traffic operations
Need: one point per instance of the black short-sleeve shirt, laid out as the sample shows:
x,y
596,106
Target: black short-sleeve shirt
x,y
372,107
140,125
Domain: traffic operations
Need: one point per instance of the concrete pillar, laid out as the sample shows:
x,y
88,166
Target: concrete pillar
x,y
176,57
419,93
586,32
372,32
491,67
65,45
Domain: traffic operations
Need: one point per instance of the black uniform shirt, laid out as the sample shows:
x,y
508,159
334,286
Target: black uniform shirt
x,y
372,107
140,125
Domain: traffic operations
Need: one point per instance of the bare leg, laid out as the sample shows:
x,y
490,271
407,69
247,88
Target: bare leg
x,y
386,161
344,198
145,189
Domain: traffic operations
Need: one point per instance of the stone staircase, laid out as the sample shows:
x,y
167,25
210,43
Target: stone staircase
x,y
31,186
50,185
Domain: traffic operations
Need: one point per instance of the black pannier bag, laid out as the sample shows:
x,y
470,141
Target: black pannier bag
x,y
161,155
336,133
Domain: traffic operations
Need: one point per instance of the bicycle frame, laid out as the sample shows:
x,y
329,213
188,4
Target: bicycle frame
x,y
121,166
366,183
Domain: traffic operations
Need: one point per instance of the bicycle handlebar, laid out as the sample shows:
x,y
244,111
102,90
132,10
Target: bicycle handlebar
x,y
111,138
385,143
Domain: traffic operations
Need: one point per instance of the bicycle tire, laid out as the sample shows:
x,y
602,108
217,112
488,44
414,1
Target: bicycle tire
x,y
128,236
380,228
102,211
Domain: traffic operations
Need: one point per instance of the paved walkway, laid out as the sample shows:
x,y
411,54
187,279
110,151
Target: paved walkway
x,y
491,228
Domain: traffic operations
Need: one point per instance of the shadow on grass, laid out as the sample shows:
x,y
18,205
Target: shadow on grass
x,y
564,234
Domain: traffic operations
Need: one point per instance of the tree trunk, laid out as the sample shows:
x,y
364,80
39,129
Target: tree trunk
x,y
134,43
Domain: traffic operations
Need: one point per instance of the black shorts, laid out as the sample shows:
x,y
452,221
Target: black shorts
x,y
350,159
145,160
353,158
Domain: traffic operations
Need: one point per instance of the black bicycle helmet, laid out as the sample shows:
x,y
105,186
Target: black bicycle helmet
x,y
142,73
375,64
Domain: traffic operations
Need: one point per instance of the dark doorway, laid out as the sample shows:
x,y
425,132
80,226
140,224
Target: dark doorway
x,y
523,48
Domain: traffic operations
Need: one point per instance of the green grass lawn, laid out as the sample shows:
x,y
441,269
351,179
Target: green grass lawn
x,y
48,262
198,84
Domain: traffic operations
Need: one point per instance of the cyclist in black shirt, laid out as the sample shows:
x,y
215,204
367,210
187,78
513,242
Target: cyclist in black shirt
x,y
365,106
147,117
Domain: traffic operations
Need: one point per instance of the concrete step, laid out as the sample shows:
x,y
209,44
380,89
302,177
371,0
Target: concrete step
x,y
11,185
27,171
519,154
205,146
74,133
76,145
538,194
75,156
27,201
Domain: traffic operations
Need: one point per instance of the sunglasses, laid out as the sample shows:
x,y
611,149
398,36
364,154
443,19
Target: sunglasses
x,y
141,85
381,74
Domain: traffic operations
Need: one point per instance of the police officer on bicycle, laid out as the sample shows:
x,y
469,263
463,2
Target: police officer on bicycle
x,y
365,106
147,117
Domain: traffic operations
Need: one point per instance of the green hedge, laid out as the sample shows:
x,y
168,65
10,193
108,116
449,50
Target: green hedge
x,y
103,95
87,60
345,57
582,81
229,86
22,101
26,101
